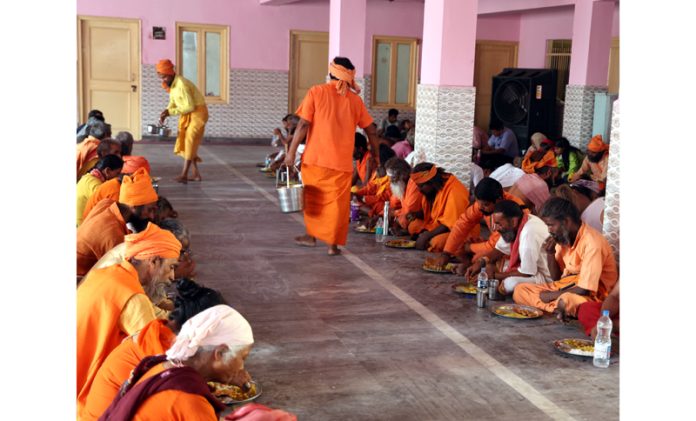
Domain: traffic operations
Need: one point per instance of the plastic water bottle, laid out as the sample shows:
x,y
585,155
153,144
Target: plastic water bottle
x,y
602,345
482,288
385,222
379,231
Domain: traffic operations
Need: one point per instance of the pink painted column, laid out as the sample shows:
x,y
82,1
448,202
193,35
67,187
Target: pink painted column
x,y
347,21
446,96
589,65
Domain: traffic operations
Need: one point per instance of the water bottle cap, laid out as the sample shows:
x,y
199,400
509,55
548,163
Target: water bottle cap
x,y
605,313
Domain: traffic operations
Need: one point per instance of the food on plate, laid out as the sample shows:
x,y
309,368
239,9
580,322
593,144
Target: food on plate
x,y
517,312
231,391
401,243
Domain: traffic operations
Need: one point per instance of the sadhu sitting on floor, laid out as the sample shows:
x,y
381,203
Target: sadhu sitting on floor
x,y
129,160
117,301
87,149
106,225
154,339
594,166
107,168
541,155
518,256
406,197
578,256
377,191
111,188
444,199
211,346
464,241
364,165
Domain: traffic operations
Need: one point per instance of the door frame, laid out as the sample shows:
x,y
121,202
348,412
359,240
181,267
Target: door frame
x,y
82,112
294,65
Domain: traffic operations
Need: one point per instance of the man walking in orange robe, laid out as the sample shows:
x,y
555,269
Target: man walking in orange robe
x,y
328,115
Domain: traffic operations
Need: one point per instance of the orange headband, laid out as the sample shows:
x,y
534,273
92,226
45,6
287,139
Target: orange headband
x,y
345,78
424,176
152,241
597,145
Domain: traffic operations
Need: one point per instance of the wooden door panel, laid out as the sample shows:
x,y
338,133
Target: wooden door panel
x,y
309,60
110,71
491,58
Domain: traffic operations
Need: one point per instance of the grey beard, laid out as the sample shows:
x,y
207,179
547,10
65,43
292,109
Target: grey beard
x,y
398,190
156,291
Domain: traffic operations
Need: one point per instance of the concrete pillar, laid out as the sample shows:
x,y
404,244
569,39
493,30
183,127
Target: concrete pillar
x,y
347,28
613,189
589,65
446,96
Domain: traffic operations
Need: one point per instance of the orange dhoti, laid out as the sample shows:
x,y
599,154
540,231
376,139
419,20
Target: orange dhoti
x,y
529,294
326,203
191,129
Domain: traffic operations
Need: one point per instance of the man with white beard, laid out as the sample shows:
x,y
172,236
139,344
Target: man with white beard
x,y
406,191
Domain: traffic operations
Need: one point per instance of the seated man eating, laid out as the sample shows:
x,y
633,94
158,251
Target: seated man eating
x,y
518,249
444,199
578,256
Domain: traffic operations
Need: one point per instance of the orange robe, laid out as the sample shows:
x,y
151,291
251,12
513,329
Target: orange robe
x,y
173,405
102,230
376,193
449,203
412,202
101,298
548,160
154,339
109,189
86,155
589,263
361,167
468,226
327,161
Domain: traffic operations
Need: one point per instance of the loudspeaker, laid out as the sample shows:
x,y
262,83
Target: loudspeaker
x,y
524,100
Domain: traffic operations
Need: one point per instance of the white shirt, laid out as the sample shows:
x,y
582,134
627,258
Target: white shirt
x,y
507,175
476,174
532,259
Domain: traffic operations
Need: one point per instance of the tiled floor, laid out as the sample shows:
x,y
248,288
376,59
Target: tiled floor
x,y
367,335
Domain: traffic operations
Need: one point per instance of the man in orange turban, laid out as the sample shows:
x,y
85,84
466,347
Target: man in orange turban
x,y
115,302
105,226
328,115
186,101
444,199
595,164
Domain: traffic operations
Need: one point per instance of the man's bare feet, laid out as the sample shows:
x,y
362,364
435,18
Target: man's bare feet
x,y
306,241
334,250
181,179
561,312
196,178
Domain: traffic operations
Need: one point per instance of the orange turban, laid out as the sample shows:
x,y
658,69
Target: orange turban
x,y
345,78
165,67
132,163
137,190
597,145
424,176
152,241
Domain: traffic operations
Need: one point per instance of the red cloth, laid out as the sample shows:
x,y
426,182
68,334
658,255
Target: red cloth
x,y
515,249
588,315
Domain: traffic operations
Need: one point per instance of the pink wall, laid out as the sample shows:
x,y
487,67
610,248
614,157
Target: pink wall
x,y
503,27
259,35
555,23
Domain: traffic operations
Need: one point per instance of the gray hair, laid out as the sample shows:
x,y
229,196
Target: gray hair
x,y
294,119
126,140
232,352
177,228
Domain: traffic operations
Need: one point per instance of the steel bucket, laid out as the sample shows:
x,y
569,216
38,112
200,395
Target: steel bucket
x,y
290,197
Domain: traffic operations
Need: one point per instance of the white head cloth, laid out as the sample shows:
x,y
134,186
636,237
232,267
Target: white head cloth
x,y
214,326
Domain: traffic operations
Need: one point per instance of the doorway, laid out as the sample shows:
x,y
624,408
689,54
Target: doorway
x,y
491,58
108,59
